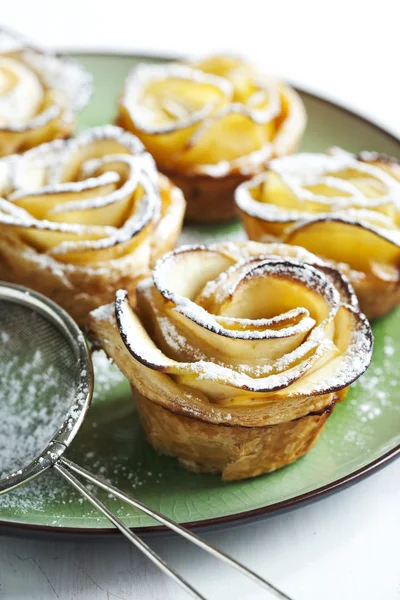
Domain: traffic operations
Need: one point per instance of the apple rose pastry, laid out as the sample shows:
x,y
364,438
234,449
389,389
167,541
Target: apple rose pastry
x,y
238,353
210,126
84,217
342,207
40,95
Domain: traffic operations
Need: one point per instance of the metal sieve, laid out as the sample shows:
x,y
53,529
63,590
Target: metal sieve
x,y
46,378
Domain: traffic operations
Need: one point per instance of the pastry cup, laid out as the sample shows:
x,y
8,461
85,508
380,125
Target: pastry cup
x,y
84,217
234,451
226,377
44,93
341,207
208,199
211,126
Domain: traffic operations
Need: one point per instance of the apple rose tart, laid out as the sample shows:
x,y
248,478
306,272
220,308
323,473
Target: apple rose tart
x,y
40,94
84,217
238,353
342,207
210,126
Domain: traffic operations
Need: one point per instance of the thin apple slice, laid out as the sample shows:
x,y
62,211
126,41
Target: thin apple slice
x,y
185,273
346,241
356,342
40,203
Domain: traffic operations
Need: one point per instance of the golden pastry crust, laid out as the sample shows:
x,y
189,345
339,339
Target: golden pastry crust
x,y
180,110
42,94
77,289
235,452
229,379
85,217
208,200
342,207
376,296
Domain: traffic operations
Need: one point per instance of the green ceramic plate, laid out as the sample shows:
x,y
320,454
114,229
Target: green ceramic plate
x,y
362,434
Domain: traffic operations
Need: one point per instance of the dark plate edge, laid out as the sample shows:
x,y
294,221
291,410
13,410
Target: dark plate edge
x,y
14,528
44,531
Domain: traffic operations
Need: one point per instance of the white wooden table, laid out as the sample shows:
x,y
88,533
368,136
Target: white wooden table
x,y
346,546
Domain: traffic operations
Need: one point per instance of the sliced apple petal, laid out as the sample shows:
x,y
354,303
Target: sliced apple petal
x,y
113,214
135,337
179,111
344,369
185,273
41,202
237,363
95,143
351,242
45,235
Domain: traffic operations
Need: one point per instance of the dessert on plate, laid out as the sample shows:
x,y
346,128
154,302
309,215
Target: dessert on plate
x,y
41,94
342,207
237,353
210,125
85,216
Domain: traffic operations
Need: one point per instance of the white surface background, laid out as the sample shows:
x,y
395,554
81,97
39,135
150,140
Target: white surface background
x,y
345,547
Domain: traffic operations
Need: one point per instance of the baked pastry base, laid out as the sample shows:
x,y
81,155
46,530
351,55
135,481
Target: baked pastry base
x,y
77,289
208,199
234,451
376,297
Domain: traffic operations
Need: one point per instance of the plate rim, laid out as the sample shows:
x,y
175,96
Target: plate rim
x,y
15,527
239,518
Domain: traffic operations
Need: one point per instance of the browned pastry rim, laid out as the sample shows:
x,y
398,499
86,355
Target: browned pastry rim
x,y
376,297
76,289
234,451
208,199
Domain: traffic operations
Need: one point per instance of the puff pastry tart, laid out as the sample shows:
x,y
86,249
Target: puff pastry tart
x,y
40,94
238,353
342,207
84,217
210,125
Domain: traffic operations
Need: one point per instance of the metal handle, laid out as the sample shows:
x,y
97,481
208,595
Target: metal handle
x,y
132,537
65,467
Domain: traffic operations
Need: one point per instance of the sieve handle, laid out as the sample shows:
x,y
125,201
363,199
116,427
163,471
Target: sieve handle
x,y
65,467
130,535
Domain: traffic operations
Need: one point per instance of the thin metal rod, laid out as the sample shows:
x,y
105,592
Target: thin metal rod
x,y
177,529
132,537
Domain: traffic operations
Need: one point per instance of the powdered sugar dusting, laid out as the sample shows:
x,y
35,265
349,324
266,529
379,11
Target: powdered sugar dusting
x,y
303,175
36,72
143,74
98,177
261,107
388,348
35,396
299,342
176,341
104,313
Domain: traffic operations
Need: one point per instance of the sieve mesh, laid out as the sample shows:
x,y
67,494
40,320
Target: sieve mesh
x,y
38,371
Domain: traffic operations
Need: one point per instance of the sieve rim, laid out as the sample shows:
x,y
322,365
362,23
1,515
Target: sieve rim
x,y
71,424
